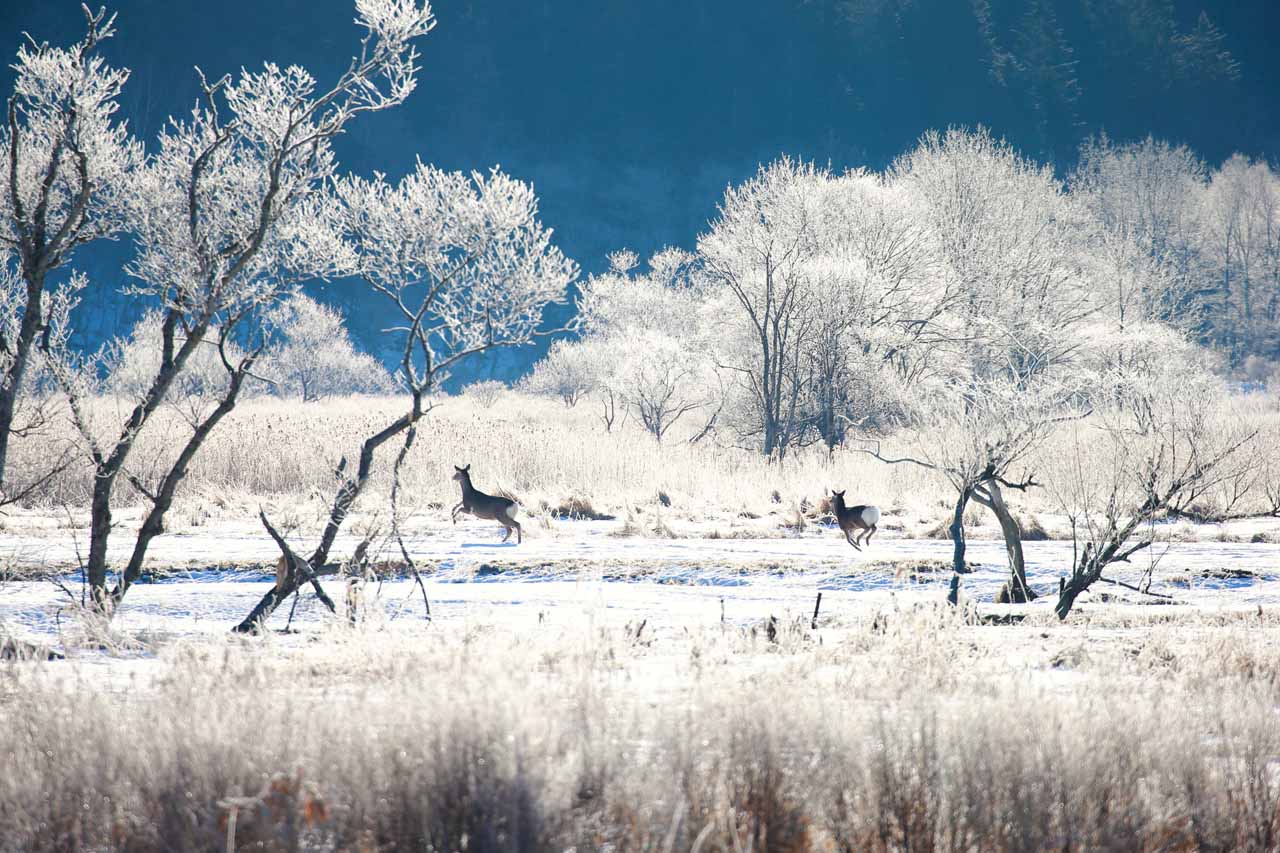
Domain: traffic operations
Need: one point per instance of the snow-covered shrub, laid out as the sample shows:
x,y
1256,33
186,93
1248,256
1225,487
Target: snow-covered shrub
x,y
485,392
644,347
314,357
133,361
568,373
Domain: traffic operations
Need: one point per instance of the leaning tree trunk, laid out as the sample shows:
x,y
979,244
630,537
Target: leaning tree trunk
x,y
299,571
1093,561
107,469
162,500
1016,591
1083,575
1068,594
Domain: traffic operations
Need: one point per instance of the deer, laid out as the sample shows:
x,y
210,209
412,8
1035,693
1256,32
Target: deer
x,y
492,507
850,518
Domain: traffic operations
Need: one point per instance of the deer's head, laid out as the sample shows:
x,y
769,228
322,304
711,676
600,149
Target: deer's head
x,y
837,498
462,474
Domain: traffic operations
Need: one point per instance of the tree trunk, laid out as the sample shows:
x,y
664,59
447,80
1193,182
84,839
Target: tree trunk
x,y
770,434
11,386
99,534
957,532
347,494
107,470
993,499
153,524
1067,595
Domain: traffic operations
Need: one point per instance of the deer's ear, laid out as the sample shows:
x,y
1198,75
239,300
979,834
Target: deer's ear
x,y
456,468
466,467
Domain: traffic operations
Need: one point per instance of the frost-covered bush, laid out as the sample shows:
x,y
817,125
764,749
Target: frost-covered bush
x,y
568,373
644,347
314,357
660,377
133,361
485,392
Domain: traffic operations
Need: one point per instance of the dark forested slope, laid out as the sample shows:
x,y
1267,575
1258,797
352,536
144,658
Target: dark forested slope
x,y
630,117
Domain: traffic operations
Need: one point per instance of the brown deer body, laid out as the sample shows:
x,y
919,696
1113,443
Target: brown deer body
x,y
491,507
861,518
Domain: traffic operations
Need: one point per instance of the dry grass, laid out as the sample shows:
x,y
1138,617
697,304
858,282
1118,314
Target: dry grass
x,y
532,447
909,730
558,461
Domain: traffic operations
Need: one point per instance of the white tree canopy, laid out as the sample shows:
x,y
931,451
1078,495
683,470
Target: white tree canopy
x,y
312,357
463,258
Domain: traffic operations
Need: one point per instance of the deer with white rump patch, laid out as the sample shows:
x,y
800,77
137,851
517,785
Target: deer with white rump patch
x,y
492,507
850,518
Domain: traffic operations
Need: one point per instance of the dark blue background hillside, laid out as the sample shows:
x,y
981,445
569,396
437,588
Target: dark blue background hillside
x,y
630,117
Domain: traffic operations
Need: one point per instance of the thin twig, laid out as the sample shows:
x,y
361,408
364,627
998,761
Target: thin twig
x,y
1137,589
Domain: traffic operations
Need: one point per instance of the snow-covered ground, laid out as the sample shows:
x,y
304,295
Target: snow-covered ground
x,y
583,568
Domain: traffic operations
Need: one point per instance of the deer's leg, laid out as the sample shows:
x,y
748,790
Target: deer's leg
x,y
506,533
454,514
869,532
848,537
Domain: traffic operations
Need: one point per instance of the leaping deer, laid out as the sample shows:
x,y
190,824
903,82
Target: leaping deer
x,y
476,502
850,518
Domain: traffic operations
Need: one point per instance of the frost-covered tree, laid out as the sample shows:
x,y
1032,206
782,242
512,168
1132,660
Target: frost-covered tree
x,y
1011,263
1119,367
66,179
1122,475
227,220
644,337
765,251
817,282
1018,309
569,372
659,379
1181,244
1146,199
312,356
1241,250
467,266
875,320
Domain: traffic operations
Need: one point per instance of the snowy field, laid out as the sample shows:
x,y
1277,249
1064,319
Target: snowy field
x,y
212,577
652,679
586,690
215,575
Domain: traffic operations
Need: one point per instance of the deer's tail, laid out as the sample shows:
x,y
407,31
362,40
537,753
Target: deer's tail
x,y
510,510
871,515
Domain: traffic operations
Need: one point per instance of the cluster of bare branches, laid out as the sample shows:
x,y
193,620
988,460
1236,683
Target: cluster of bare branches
x,y
67,171
1122,476
220,218
468,267
240,202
